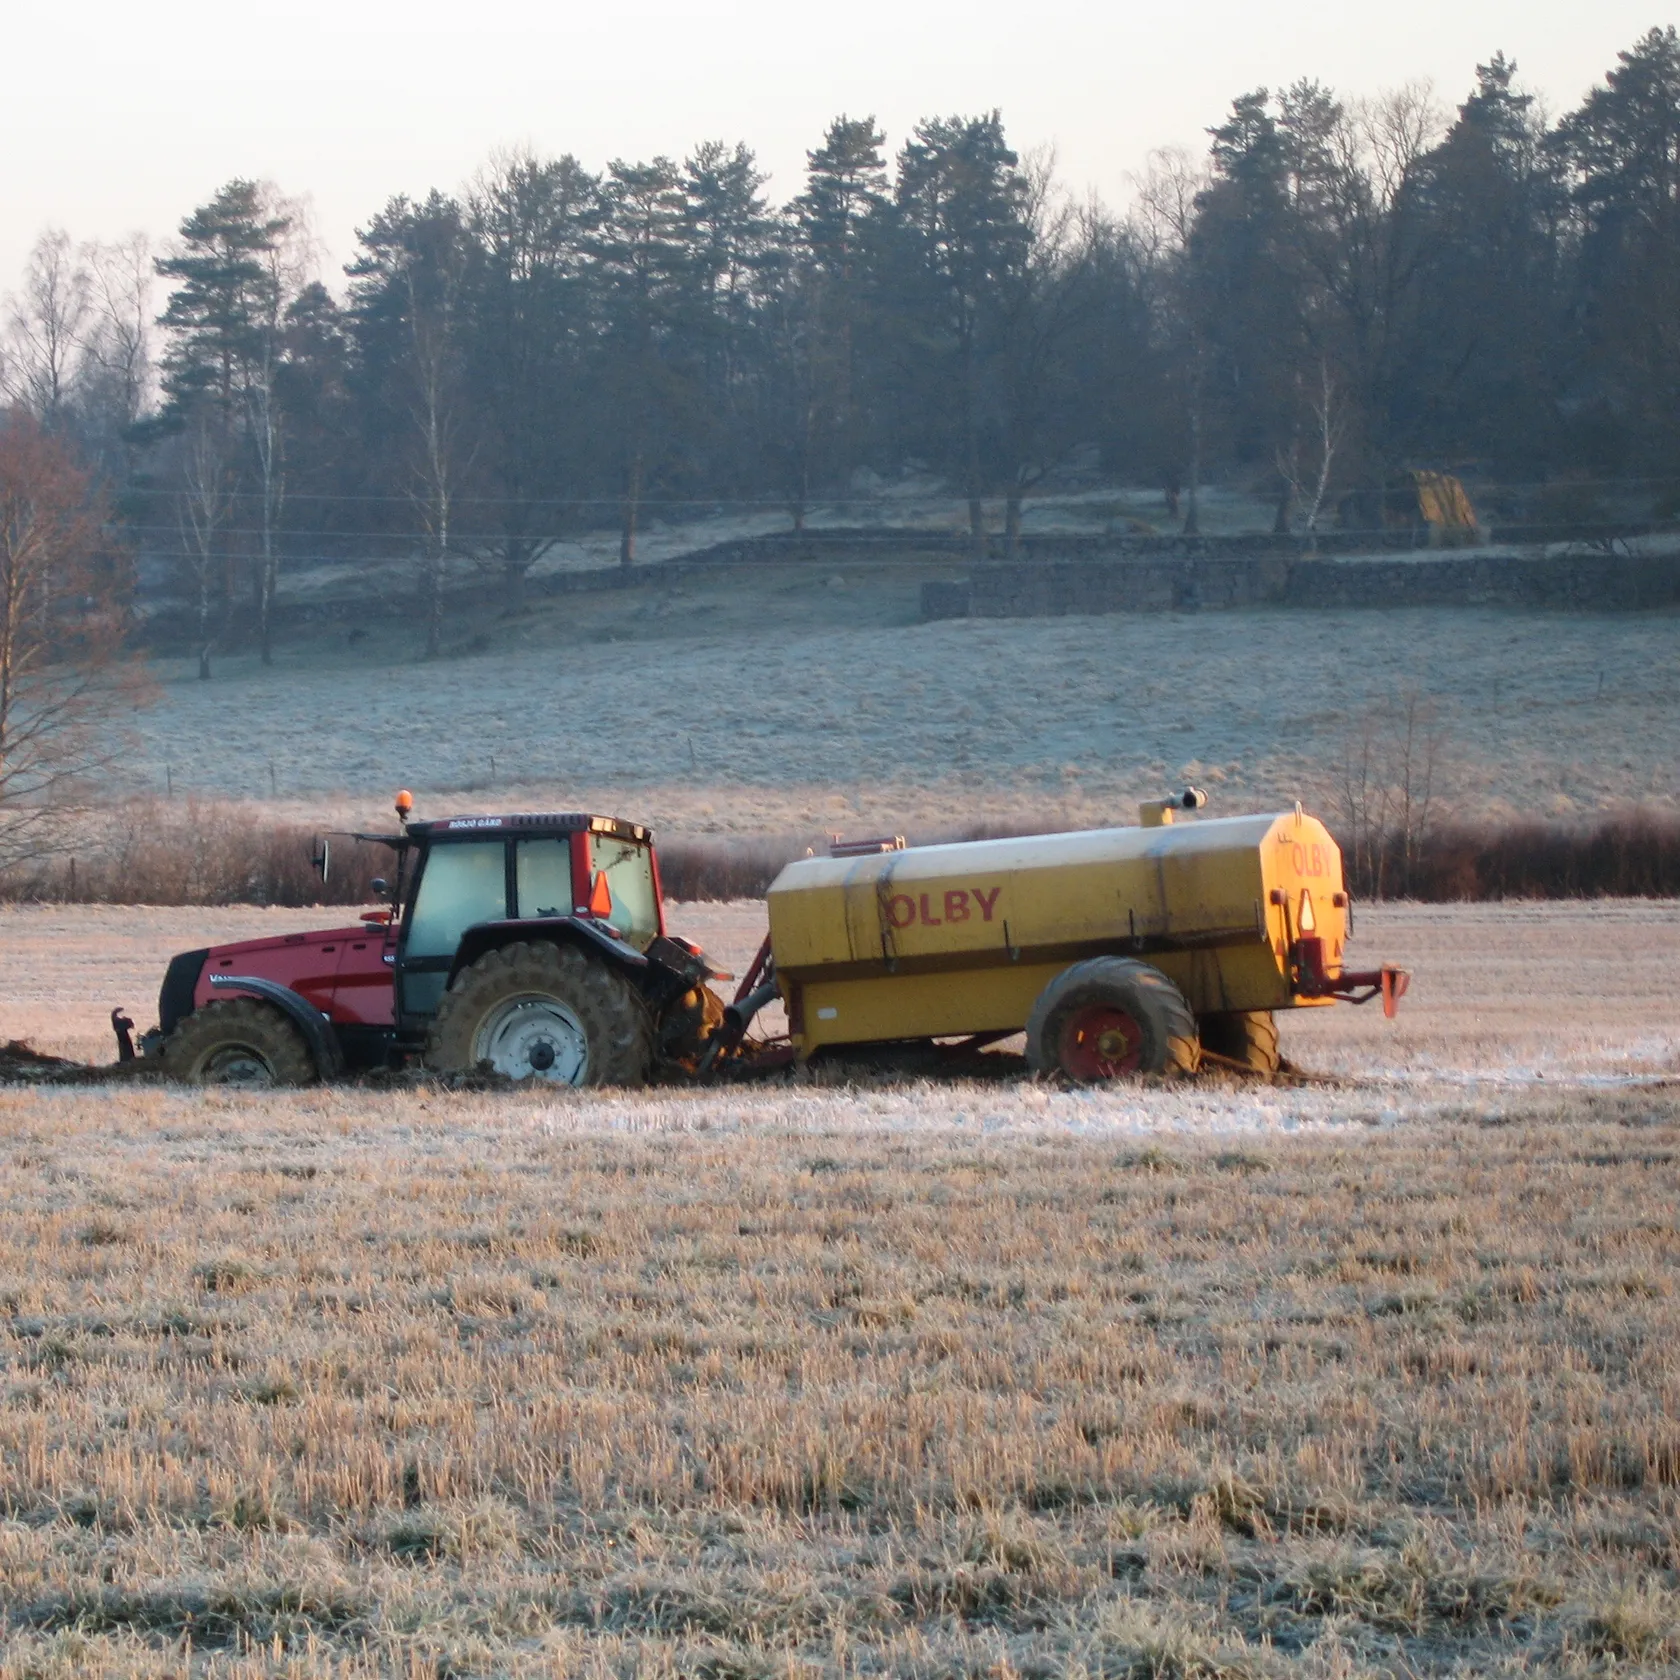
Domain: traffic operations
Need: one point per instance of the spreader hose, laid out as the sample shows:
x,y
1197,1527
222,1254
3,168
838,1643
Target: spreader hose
x,y
738,1016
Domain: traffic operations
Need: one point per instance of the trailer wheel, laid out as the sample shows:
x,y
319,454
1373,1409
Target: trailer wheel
x,y
1249,1037
1108,1017
542,1011
241,1042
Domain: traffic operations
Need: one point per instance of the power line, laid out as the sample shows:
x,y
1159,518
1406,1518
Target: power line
x,y
1481,488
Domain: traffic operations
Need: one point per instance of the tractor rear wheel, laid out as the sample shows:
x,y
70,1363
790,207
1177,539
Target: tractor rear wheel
x,y
541,1011
240,1042
1109,1017
1248,1037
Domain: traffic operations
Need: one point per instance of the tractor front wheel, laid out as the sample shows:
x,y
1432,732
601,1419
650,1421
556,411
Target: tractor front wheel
x,y
1109,1017
542,1011
241,1042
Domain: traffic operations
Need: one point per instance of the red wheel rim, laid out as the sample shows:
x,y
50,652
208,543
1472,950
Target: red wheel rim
x,y
1100,1042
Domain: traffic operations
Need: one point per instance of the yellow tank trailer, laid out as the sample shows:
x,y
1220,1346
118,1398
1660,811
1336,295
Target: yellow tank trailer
x,y
1118,950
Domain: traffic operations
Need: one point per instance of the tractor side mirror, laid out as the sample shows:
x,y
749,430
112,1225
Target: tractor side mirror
x,y
319,857
381,887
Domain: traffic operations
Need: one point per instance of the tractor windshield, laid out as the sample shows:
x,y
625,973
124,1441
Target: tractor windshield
x,y
627,867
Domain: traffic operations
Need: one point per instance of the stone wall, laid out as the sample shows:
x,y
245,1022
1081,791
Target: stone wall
x,y
1053,587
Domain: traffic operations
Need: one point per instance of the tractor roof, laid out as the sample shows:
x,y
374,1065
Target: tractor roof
x,y
551,822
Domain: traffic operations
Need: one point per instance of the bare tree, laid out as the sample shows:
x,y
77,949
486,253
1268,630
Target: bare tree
x,y
1362,238
1418,740
435,425
431,284
203,505
1384,791
285,261
118,340
1164,216
1328,410
1043,301
407,293
64,598
268,445
45,327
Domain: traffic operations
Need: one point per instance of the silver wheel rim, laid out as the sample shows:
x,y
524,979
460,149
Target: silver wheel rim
x,y
533,1037
238,1064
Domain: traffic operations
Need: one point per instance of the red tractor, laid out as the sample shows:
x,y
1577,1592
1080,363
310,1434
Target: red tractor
x,y
533,944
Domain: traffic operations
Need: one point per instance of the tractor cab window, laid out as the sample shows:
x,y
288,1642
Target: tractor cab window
x,y
627,867
463,882
543,875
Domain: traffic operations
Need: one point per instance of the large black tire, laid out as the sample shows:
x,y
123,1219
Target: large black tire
x,y
1109,1017
537,1010
241,1042
1247,1037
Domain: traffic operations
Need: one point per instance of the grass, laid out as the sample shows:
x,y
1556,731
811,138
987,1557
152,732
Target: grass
x,y
354,1383
777,702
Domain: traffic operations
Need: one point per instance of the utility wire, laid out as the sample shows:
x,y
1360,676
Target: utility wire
x,y
710,504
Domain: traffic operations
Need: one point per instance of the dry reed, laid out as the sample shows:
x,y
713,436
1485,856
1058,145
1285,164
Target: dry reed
x,y
154,853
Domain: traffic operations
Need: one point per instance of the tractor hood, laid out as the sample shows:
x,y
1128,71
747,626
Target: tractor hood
x,y
306,963
289,941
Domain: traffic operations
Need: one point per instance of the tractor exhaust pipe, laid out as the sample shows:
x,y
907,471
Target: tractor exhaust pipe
x,y
1157,813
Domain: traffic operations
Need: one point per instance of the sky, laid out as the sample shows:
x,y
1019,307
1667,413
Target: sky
x,y
119,117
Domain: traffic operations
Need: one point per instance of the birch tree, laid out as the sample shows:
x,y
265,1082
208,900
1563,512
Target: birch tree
x,y
46,323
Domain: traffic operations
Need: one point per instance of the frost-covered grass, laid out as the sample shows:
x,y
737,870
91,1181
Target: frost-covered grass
x,y
355,1383
787,702
1375,1374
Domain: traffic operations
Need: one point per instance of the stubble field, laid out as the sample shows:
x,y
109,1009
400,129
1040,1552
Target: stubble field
x,y
377,1385
1378,1374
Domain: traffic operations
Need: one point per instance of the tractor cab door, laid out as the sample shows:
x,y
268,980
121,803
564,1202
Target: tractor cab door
x,y
460,883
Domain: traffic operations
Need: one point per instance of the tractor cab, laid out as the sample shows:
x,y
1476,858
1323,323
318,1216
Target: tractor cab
x,y
470,881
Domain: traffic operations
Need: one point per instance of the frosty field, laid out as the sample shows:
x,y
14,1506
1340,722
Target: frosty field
x,y
359,1384
1378,1374
782,702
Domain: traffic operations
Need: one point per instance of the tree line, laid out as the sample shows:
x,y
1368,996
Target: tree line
x,y
1337,290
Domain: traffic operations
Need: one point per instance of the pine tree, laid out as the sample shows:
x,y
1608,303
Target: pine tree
x,y
644,254
1479,373
226,290
1622,153
226,319
530,316
730,261
407,291
963,237
840,228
